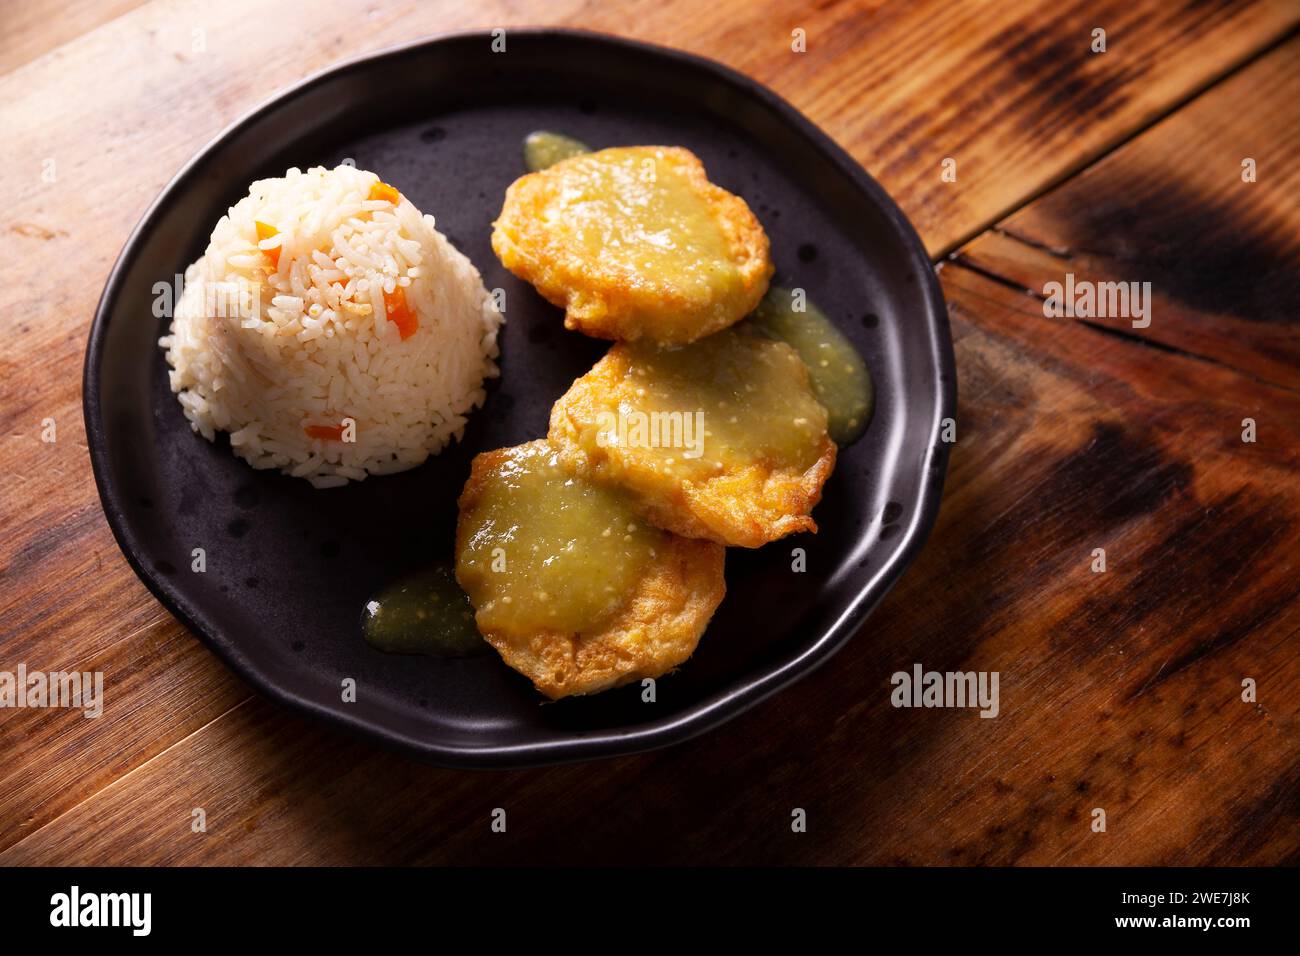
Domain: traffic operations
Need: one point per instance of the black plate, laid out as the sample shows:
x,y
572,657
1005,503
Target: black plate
x,y
289,568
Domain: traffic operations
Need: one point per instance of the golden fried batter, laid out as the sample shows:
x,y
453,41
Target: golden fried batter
x,y
722,439
572,589
635,242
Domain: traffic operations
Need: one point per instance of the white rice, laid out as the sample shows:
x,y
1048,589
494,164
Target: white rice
x,y
265,353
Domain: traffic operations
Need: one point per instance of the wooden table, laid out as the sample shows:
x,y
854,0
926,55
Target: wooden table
x,y
1120,690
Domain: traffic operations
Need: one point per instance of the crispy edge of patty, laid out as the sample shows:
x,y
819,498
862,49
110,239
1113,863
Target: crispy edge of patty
x,y
609,303
656,629
743,507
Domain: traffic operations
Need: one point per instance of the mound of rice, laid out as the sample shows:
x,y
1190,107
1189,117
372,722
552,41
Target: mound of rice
x,y
331,330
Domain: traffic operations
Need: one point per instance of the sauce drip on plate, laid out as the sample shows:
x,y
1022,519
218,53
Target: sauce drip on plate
x,y
839,375
543,149
425,612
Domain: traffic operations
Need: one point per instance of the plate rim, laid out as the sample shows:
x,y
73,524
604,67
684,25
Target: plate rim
x,y
700,718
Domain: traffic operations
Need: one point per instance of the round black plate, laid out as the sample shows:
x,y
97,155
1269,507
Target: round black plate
x,y
289,568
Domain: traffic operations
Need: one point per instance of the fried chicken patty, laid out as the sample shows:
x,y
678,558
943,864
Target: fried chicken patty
x,y
722,439
568,585
635,242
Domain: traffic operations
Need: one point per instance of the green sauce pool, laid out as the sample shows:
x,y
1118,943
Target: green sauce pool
x,y
840,379
543,149
425,612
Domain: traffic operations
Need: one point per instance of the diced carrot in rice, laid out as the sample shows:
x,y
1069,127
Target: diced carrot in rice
x,y
385,192
400,313
265,232
325,432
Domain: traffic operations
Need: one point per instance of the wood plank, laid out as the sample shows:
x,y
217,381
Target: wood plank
x,y
158,687
1171,208
35,27
119,109
1011,92
1119,690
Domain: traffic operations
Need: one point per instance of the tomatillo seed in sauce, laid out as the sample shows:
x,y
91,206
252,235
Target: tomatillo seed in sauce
x,y
424,612
840,379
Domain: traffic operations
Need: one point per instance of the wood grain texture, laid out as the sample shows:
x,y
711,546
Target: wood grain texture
x,y
1003,88
1171,208
35,27
1119,690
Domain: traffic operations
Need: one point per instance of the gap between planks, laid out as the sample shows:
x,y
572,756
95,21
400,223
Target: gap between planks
x,y
957,260
1119,142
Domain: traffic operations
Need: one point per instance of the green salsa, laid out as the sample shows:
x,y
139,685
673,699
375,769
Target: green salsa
x,y
546,551
543,149
747,392
839,375
425,612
